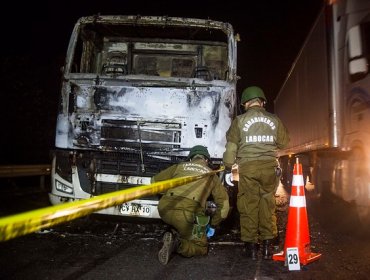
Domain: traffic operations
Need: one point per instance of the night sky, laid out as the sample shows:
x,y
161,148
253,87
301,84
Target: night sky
x,y
35,37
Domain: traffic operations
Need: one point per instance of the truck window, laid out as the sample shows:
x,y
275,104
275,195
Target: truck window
x,y
359,51
182,67
100,53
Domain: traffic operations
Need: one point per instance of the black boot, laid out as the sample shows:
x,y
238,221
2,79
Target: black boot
x,y
251,250
267,249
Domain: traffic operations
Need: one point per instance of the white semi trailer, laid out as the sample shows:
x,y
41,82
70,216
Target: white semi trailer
x,y
325,104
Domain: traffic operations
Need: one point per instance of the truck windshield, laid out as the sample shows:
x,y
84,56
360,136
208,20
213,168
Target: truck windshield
x,y
114,50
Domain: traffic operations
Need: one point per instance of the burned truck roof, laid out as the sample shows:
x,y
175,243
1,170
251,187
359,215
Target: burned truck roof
x,y
160,27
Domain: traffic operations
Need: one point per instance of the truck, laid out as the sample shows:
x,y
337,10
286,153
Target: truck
x,y
325,104
137,93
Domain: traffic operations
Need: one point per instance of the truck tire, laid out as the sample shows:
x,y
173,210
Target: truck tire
x,y
359,179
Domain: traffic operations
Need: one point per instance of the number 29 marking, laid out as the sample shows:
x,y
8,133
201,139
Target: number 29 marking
x,y
293,259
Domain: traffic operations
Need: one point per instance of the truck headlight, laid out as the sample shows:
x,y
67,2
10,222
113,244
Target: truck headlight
x,y
63,188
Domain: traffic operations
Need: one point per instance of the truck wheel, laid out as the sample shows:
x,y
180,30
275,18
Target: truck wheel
x,y
359,179
287,172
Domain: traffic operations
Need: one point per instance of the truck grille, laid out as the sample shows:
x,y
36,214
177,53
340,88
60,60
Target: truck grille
x,y
124,164
150,135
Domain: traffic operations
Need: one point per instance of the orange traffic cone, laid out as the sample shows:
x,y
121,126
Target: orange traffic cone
x,y
297,232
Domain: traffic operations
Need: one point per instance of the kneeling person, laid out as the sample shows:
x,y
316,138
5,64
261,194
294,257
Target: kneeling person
x,y
184,207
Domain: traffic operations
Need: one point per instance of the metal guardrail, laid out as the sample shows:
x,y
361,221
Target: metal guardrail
x,y
16,171
12,171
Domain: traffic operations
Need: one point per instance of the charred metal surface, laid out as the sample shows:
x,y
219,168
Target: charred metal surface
x,y
137,94
125,165
111,117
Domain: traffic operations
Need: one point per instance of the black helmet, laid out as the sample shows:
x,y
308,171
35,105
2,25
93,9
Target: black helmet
x,y
252,92
199,150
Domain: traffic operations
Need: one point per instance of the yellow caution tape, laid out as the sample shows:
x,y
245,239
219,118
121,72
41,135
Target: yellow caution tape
x,y
28,222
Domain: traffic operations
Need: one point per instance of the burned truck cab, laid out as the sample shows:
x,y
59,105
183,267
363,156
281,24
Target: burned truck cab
x,y
137,93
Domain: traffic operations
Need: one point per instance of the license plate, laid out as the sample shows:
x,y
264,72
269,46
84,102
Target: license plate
x,y
135,209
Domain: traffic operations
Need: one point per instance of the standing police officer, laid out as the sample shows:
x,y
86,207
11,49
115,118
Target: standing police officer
x,y
184,207
252,142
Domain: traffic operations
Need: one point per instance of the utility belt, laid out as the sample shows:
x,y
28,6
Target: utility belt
x,y
246,166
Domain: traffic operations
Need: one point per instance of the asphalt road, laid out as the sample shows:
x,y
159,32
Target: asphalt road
x,y
92,248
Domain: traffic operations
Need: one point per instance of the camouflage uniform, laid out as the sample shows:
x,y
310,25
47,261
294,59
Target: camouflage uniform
x,y
252,142
179,206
